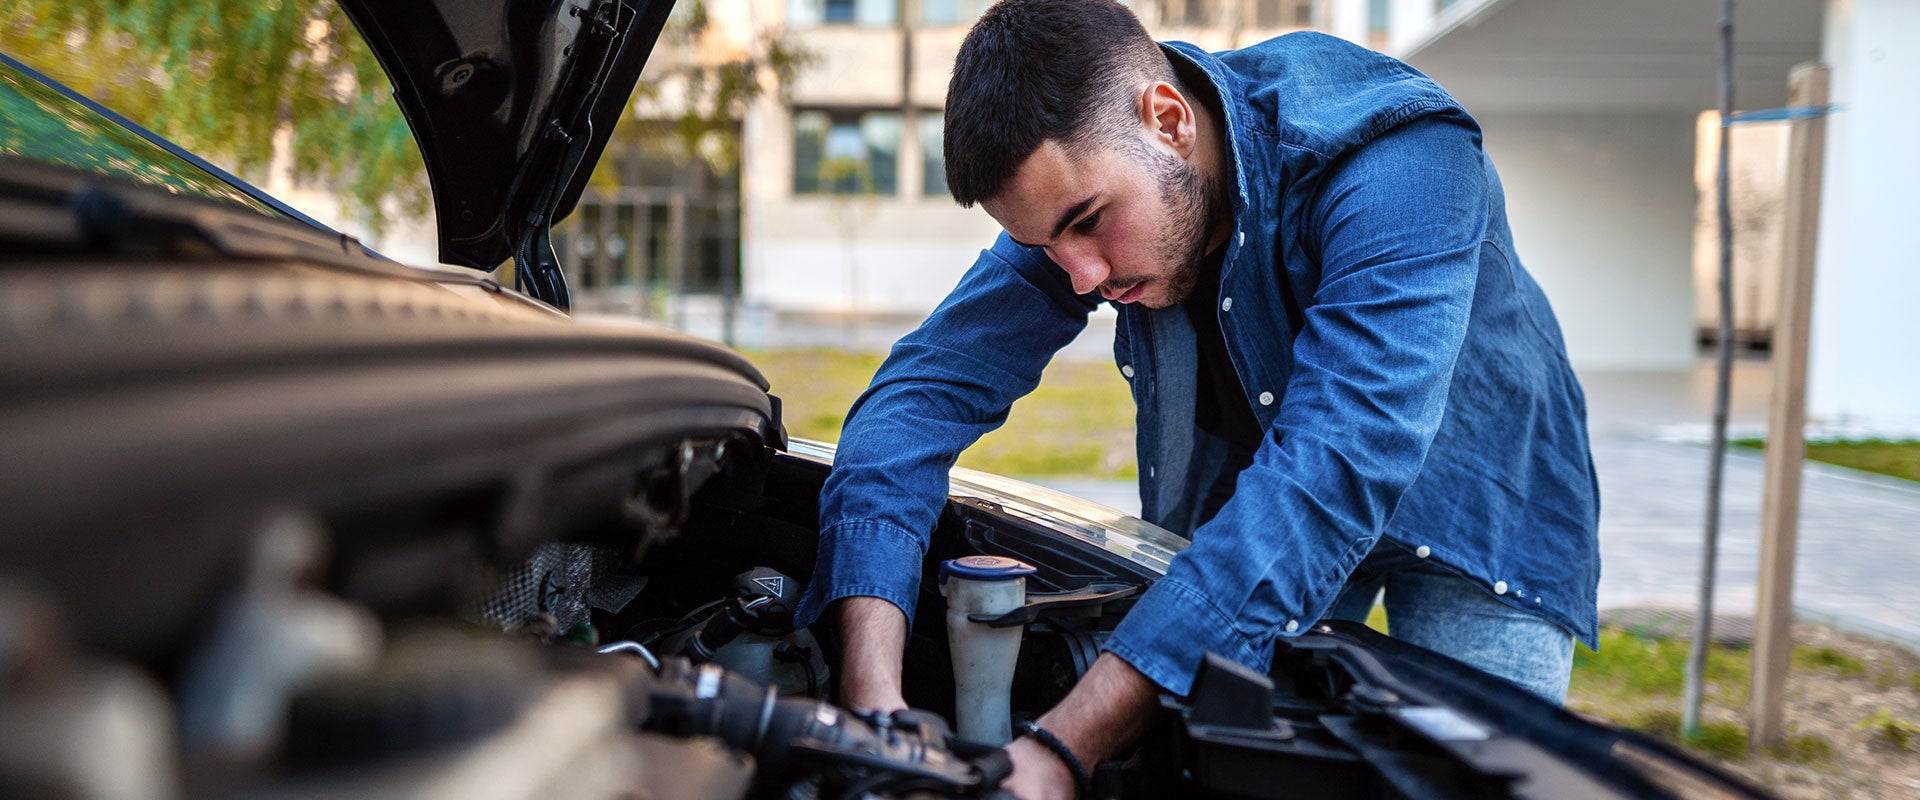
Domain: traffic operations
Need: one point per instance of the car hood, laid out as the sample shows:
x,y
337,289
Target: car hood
x,y
511,101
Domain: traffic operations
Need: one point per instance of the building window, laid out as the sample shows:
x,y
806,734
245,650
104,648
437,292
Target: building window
x,y
953,12
845,152
933,153
813,13
1283,13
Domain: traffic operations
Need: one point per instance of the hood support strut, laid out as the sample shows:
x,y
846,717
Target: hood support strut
x,y
562,149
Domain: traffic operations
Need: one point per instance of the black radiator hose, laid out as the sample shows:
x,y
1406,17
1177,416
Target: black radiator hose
x,y
800,738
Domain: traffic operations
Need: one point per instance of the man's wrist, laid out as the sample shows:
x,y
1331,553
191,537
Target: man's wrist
x,y
873,632
1082,779
1107,710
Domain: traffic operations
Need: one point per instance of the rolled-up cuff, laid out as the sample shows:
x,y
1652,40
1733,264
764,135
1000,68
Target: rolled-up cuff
x,y
864,559
1170,628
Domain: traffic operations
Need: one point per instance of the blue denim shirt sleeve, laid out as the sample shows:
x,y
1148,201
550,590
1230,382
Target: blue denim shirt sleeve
x,y
1398,225
943,386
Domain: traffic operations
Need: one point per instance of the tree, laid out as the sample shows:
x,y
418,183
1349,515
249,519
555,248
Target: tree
x,y
223,77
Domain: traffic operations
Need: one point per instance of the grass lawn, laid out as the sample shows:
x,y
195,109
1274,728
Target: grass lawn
x,y
1851,708
1898,459
1079,423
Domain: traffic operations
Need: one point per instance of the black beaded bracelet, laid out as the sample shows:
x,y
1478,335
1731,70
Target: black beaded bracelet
x,y
1082,781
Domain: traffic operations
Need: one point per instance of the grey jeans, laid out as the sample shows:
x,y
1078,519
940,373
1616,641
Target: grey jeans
x,y
1435,608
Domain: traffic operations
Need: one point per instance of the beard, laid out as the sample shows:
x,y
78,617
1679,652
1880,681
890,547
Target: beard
x,y
1194,207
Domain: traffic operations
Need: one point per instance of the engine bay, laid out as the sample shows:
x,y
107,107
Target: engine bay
x,y
350,662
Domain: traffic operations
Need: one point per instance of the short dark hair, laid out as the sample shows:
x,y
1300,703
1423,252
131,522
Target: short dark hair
x,y
1033,70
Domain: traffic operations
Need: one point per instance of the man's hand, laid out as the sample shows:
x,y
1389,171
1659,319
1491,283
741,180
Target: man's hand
x,y
1106,711
1038,774
873,632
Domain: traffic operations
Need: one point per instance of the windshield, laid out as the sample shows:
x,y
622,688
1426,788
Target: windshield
x,y
38,122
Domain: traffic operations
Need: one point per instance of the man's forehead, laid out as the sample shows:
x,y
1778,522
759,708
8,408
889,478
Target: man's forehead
x,y
1047,186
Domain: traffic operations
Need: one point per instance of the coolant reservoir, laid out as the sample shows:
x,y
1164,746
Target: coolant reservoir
x,y
983,656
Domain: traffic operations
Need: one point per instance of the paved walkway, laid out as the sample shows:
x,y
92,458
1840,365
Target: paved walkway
x,y
1859,562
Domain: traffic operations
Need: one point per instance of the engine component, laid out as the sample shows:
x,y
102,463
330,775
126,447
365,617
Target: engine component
x,y
451,712
551,589
763,603
274,635
751,632
72,727
635,648
984,656
813,742
1086,602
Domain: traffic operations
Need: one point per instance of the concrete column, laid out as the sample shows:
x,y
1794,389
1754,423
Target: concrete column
x,y
1865,368
1347,19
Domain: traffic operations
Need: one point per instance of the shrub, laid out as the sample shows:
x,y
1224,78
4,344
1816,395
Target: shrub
x,y
1886,727
1828,658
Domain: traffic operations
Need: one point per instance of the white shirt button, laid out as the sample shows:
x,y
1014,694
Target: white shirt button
x,y
1127,370
1293,625
1266,398
1226,304
1241,239
1423,551
1150,471
1499,587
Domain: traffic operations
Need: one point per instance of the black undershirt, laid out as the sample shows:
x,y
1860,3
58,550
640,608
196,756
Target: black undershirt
x,y
1220,405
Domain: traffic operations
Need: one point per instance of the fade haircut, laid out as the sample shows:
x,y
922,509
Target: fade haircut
x,y
1033,70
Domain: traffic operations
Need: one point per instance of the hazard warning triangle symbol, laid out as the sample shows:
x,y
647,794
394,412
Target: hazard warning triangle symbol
x,y
776,585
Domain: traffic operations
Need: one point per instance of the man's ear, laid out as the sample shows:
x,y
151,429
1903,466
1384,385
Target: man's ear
x,y
1169,118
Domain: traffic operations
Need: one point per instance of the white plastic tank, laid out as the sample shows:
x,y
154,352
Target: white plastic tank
x,y
983,656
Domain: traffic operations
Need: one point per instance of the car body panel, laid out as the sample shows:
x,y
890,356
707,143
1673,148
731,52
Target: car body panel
x,y
511,102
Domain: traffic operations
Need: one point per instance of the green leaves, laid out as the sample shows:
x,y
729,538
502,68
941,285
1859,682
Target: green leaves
x,y
223,77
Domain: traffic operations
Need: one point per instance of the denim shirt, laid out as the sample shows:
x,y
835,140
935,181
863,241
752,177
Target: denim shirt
x,y
1408,373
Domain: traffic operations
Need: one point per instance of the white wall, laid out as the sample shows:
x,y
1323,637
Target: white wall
x,y
861,254
1865,367
1759,182
1602,214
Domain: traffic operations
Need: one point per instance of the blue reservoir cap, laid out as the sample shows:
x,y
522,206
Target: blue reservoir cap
x,y
984,568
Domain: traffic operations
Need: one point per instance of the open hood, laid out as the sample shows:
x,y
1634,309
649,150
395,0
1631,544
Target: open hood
x,y
512,102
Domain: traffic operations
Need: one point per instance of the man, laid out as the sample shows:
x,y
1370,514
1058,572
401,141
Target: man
x,y
1346,381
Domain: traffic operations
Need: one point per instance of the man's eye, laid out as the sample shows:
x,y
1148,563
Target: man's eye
x,y
1089,223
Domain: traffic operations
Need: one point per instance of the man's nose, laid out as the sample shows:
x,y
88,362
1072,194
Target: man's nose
x,y
1085,268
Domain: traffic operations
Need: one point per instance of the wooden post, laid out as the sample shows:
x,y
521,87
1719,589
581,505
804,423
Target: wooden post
x,y
1786,425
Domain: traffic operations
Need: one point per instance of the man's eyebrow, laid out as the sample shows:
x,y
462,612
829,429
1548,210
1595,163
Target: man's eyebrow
x,y
1070,215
